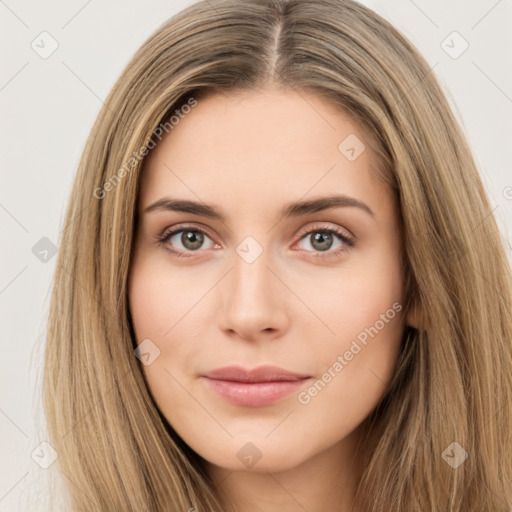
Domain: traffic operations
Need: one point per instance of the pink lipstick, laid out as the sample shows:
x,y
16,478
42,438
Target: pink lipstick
x,y
254,388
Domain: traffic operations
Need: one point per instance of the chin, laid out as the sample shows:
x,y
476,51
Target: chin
x,y
258,455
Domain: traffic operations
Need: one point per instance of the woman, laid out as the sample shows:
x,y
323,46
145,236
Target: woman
x,y
281,286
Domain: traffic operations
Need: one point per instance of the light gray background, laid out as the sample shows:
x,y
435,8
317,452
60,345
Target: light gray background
x,y
49,105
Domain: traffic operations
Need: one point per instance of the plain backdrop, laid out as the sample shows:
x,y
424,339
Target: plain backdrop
x,y
48,106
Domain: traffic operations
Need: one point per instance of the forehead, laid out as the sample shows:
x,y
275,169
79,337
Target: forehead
x,y
267,145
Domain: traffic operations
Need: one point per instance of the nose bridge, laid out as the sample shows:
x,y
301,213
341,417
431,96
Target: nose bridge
x,y
252,301
251,279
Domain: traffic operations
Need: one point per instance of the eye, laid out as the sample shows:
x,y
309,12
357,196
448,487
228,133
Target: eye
x,y
191,239
322,239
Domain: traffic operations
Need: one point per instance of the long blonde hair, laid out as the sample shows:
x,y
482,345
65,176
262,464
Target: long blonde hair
x,y
453,380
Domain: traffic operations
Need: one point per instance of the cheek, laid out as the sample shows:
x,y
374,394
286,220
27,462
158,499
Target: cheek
x,y
353,370
158,314
164,309
159,298
353,298
355,359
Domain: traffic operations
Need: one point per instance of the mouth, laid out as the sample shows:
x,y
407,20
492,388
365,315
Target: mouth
x,y
254,388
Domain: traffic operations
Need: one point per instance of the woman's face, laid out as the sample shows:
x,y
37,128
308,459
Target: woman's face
x,y
251,286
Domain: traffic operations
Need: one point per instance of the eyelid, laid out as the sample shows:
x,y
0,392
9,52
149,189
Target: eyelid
x,y
182,227
323,226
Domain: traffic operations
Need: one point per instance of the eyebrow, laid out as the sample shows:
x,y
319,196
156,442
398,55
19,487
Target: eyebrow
x,y
295,209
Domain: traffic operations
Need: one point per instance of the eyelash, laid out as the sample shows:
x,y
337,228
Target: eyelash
x,y
348,241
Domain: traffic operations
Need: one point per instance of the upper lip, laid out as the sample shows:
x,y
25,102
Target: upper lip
x,y
261,374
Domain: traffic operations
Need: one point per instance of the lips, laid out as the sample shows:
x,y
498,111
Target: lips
x,y
254,388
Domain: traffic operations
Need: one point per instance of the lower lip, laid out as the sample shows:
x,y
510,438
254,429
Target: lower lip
x,y
255,394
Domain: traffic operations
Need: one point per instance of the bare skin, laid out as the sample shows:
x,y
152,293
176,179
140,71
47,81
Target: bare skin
x,y
249,154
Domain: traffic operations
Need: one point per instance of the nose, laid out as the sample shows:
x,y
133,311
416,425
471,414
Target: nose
x,y
253,300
